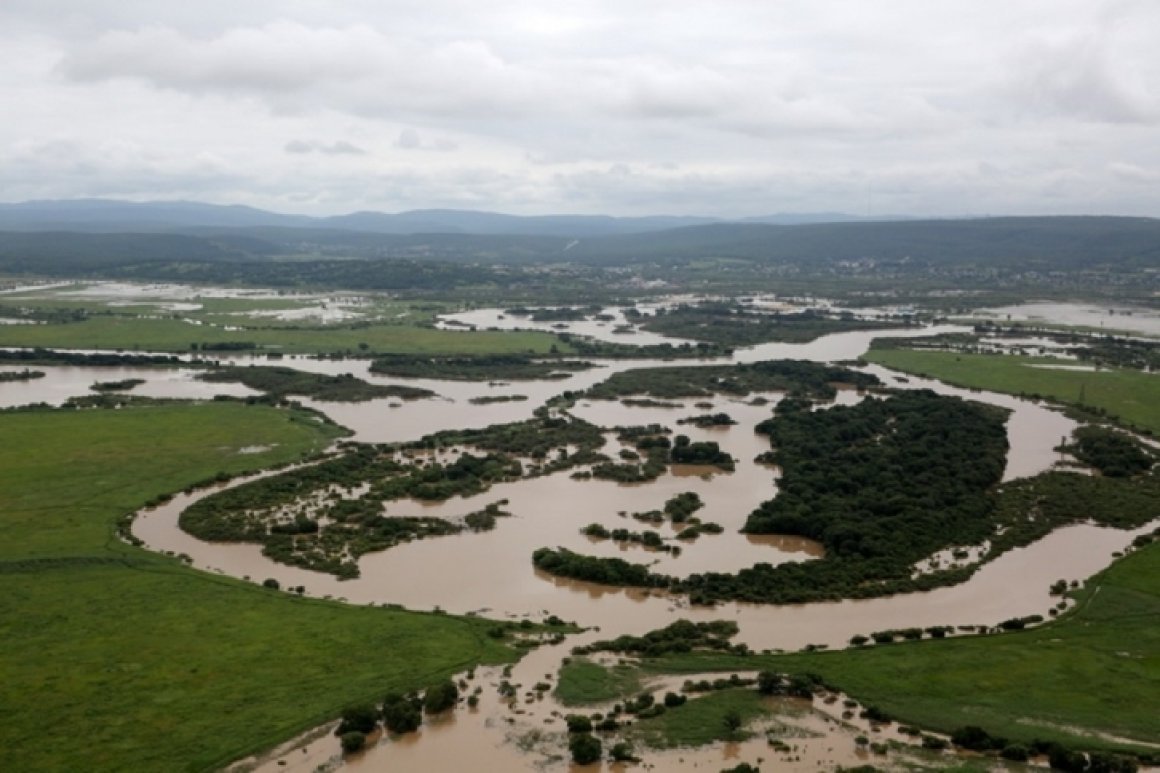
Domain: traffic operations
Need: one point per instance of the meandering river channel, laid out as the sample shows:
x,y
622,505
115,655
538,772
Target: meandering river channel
x,y
493,573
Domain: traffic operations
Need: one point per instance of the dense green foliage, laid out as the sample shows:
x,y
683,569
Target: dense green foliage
x,y
608,350
41,356
706,420
679,636
585,748
278,382
877,522
902,477
560,314
1113,453
681,506
487,367
735,380
535,438
705,452
736,325
440,697
607,571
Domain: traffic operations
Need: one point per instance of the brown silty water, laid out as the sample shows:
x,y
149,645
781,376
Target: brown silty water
x,y
495,575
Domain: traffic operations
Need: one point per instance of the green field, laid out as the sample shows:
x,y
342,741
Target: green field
x,y
1132,395
174,335
701,720
115,658
583,682
1081,680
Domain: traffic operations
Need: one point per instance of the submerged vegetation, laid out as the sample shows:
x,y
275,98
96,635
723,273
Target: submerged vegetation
x,y
21,375
325,516
882,485
738,325
904,478
279,382
668,383
1019,686
492,367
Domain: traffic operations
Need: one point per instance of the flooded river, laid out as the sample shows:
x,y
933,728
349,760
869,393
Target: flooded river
x,y
494,574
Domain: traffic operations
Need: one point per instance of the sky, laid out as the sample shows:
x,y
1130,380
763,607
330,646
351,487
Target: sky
x,y
729,108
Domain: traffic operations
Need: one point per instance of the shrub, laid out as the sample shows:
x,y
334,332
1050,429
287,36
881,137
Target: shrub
x,y
585,749
362,718
353,741
578,723
622,752
440,697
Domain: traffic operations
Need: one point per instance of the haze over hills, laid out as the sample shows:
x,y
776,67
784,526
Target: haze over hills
x,y
54,236
109,215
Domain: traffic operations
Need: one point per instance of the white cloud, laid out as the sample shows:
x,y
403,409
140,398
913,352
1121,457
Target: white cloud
x,y
720,108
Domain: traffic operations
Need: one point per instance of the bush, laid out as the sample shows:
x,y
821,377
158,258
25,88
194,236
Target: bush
x,y
622,752
401,715
440,697
578,723
585,749
1015,752
362,718
353,741
972,737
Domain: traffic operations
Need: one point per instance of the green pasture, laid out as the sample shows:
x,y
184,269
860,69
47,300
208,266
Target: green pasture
x,y
115,658
1131,395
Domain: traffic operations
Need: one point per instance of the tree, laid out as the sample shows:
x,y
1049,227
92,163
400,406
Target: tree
x,y
401,715
353,741
732,721
362,718
622,752
578,723
585,749
440,697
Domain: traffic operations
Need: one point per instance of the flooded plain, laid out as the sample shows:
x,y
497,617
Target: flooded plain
x,y
494,575
1130,319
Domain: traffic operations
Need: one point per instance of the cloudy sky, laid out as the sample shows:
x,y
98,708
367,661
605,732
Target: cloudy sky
x,y
732,108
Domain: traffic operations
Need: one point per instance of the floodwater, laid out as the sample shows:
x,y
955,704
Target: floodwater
x,y
601,330
61,382
494,574
1111,318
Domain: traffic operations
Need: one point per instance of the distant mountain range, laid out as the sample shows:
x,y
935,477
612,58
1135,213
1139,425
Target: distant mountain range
x,y
108,216
96,234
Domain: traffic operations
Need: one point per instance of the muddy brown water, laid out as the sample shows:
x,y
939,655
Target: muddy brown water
x,y
494,574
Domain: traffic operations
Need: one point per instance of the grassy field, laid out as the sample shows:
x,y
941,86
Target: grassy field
x,y
583,682
117,659
1090,676
1132,395
700,721
174,335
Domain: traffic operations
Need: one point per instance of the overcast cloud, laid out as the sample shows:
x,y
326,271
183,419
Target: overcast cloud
x,y
725,108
